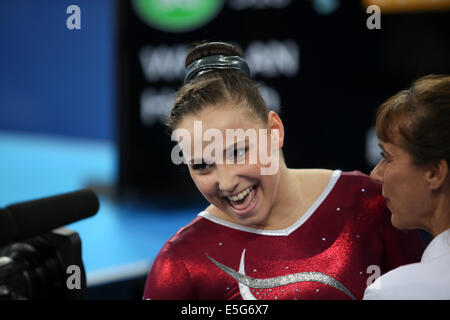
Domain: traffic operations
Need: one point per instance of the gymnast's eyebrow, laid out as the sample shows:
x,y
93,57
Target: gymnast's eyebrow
x,y
230,149
233,146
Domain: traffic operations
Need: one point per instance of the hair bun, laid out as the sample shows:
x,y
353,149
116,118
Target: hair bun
x,y
211,49
214,56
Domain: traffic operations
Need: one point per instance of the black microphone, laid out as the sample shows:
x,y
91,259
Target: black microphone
x,y
26,219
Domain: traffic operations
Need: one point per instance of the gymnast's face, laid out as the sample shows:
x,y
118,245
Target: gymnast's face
x,y
237,190
405,187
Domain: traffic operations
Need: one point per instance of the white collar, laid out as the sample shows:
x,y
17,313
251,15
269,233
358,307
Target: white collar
x,y
439,246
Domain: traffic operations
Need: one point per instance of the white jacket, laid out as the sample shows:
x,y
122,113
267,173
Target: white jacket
x,y
428,279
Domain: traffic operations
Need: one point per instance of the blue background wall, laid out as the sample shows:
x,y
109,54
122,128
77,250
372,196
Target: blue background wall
x,y
57,130
54,80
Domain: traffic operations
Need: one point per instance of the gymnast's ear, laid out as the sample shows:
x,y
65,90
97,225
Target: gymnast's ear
x,y
437,174
274,123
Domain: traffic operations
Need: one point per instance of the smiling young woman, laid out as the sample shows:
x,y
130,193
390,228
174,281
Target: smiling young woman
x,y
291,234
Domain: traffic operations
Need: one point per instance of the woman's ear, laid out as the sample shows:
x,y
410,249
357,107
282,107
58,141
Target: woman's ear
x,y
437,174
274,123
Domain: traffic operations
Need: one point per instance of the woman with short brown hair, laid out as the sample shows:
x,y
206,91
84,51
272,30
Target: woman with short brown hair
x,y
413,127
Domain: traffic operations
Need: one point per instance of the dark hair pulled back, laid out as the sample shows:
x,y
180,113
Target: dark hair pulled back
x,y
216,86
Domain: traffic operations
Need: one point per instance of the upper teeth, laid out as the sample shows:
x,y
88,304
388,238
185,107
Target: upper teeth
x,y
241,195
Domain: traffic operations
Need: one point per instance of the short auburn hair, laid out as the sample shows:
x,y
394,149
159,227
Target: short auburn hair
x,y
420,118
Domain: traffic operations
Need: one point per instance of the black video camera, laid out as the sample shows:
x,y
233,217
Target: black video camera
x,y
39,261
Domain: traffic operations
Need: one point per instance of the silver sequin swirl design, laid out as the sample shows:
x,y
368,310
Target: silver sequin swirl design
x,y
282,280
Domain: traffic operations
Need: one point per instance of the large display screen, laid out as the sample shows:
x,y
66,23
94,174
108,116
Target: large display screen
x,y
324,66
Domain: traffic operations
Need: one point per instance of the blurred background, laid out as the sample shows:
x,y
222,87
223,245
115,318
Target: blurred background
x,y
82,102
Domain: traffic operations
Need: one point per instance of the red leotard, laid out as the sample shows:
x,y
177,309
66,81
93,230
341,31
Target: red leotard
x,y
326,254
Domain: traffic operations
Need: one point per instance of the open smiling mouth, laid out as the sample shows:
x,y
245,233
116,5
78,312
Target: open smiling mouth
x,y
244,202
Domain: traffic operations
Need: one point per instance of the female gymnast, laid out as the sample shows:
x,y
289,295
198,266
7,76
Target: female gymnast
x,y
284,234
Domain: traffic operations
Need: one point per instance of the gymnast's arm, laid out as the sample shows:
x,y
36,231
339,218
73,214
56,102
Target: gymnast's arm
x,y
169,278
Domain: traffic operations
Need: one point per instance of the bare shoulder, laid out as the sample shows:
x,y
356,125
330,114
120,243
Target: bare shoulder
x,y
318,175
315,172
314,179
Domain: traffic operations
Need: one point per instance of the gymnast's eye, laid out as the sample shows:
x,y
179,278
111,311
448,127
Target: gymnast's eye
x,y
239,154
201,166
